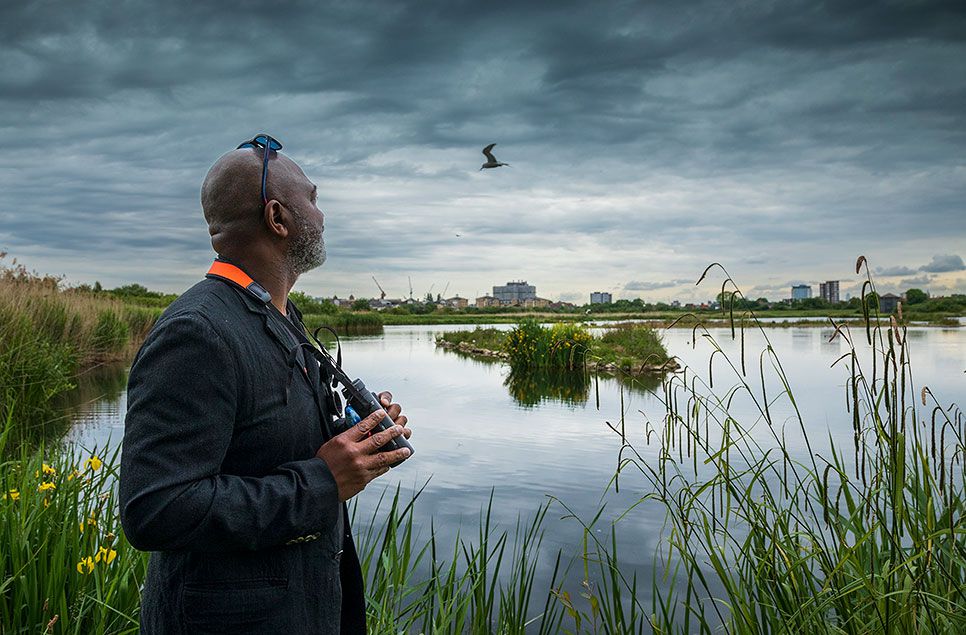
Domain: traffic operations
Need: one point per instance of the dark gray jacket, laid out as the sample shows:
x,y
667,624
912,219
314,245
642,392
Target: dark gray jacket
x,y
219,477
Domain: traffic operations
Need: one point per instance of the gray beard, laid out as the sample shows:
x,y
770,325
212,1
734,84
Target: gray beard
x,y
308,249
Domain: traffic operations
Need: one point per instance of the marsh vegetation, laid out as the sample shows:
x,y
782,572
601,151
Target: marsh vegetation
x,y
770,526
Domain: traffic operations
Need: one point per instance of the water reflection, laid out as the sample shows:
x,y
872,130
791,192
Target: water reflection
x,y
532,386
96,403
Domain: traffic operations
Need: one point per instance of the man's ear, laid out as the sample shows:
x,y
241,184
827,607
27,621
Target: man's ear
x,y
277,218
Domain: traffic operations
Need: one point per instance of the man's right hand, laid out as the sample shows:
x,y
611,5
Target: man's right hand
x,y
354,458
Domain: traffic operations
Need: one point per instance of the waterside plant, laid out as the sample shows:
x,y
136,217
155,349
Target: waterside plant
x,y
49,334
760,538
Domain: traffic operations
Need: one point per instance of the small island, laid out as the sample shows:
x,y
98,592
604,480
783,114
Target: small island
x,y
627,348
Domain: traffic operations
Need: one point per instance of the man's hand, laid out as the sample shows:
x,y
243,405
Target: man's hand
x,y
395,411
353,457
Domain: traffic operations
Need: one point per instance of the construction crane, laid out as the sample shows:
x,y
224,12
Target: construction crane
x,y
410,287
445,289
382,293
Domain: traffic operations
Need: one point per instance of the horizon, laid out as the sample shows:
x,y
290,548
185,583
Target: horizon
x,y
644,142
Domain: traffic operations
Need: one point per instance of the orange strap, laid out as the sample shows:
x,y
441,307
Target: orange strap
x,y
230,272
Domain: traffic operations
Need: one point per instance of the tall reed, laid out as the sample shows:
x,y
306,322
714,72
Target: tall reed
x,y
864,539
483,584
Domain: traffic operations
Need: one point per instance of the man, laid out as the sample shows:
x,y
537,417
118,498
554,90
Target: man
x,y
230,473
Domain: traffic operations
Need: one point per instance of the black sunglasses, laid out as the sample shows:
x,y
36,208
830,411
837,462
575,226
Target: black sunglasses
x,y
266,143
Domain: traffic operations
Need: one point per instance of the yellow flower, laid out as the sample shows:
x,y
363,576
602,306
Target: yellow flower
x,y
45,487
94,463
107,555
74,474
46,502
85,563
49,471
12,495
81,525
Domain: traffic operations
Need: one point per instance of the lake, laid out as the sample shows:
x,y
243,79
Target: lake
x,y
478,432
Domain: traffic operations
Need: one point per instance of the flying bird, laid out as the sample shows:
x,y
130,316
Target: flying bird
x,y
491,161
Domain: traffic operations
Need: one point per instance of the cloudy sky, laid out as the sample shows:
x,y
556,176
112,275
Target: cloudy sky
x,y
646,140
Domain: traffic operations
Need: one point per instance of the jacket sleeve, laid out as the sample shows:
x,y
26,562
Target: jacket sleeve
x,y
182,394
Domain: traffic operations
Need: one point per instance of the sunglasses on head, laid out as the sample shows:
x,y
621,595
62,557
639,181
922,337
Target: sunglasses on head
x,y
267,144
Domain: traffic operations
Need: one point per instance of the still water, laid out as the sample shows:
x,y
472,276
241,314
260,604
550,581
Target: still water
x,y
479,431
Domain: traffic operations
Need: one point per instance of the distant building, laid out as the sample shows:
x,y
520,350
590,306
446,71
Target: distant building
x,y
801,292
829,291
676,304
600,297
514,292
456,302
536,303
888,303
487,300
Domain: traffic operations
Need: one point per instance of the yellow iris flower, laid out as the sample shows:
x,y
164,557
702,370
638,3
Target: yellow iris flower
x,y
107,555
94,463
85,563
46,487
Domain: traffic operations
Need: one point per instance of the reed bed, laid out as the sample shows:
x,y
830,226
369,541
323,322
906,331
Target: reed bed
x,y
346,322
862,539
47,335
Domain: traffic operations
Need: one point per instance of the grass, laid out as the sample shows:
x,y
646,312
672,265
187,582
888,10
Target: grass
x,y
630,346
346,323
488,339
66,566
47,336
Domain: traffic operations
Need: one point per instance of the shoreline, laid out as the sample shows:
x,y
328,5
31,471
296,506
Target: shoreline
x,y
661,322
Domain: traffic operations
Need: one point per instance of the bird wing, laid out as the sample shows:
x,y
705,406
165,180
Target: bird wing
x,y
488,154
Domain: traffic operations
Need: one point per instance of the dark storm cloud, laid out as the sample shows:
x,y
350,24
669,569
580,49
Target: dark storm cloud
x,y
776,135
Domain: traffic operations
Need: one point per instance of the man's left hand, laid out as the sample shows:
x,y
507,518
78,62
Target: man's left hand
x,y
394,410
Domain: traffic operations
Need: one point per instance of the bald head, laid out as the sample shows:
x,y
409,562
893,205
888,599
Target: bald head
x,y
231,196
